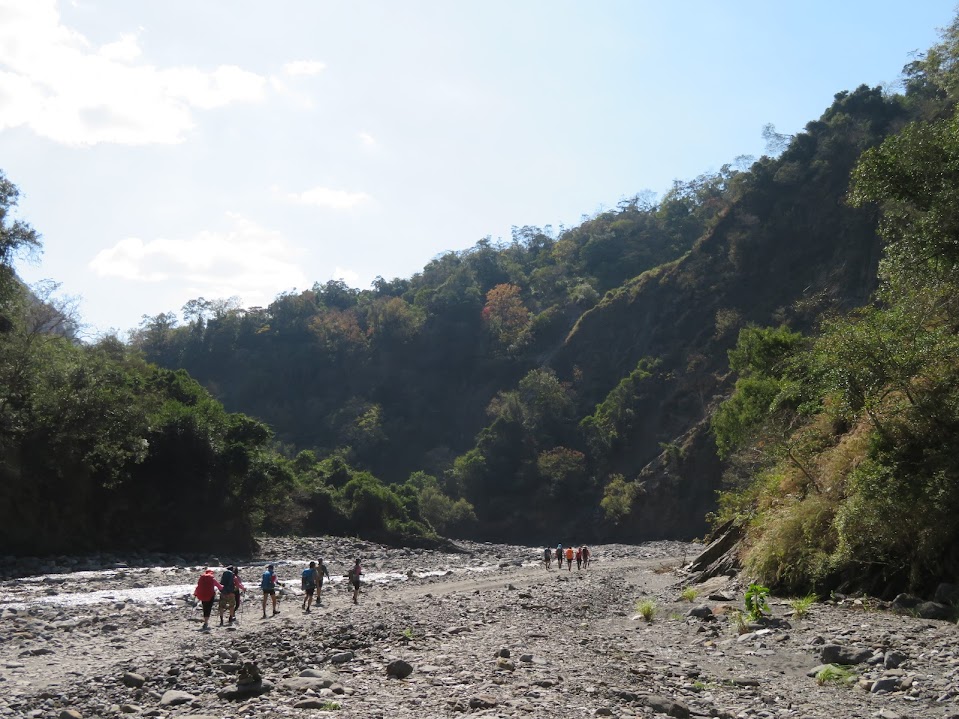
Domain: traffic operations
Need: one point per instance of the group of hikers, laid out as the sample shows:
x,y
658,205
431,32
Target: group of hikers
x,y
230,589
580,554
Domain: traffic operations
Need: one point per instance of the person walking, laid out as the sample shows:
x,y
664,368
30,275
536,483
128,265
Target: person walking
x,y
354,579
269,583
205,591
321,571
585,556
547,557
579,559
559,555
228,594
569,559
309,586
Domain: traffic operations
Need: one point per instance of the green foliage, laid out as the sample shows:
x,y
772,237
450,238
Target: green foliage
x,y
646,608
801,605
755,601
613,419
689,594
835,674
618,497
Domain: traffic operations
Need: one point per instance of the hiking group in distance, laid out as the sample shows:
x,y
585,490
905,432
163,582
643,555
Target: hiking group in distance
x,y
230,589
580,554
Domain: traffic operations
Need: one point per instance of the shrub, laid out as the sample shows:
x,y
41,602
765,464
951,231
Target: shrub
x,y
646,608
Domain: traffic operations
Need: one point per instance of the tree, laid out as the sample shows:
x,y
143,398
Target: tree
x,y
16,236
505,314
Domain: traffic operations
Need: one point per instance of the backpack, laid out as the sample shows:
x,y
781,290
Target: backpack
x,y
227,581
267,580
308,579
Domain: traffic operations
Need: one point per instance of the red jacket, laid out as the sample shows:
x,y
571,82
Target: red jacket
x,y
206,586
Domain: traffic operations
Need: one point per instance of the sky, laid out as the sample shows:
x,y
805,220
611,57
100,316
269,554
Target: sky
x,y
172,149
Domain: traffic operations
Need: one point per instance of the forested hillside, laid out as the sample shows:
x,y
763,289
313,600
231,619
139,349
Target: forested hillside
x,y
560,382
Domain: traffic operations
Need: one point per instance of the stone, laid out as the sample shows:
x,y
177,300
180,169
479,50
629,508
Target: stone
x,y
70,714
303,684
893,659
245,691
838,654
506,664
886,684
342,657
504,652
905,602
482,701
701,611
934,610
665,705
312,703
174,697
132,679
399,669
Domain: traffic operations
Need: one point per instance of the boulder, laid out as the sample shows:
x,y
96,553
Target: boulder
x,y
399,669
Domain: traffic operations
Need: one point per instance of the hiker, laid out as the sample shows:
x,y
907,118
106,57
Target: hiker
x,y
309,586
321,570
240,588
569,559
579,559
228,594
205,591
547,557
585,556
269,583
354,579
559,555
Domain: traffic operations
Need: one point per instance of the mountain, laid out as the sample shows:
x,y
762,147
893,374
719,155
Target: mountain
x,y
500,370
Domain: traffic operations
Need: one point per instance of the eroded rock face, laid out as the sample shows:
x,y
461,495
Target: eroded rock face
x,y
486,630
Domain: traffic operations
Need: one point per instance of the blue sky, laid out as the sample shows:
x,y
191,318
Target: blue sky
x,y
176,149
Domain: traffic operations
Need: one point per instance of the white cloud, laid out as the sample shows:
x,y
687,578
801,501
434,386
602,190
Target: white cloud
x,y
55,82
246,260
367,139
333,199
304,67
348,276
126,49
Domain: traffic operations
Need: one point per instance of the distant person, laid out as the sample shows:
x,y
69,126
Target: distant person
x,y
309,586
228,594
585,556
547,557
569,559
353,576
321,571
205,591
559,555
268,583
579,559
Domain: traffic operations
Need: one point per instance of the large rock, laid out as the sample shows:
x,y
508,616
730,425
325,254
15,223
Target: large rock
x,y
721,556
665,705
399,669
838,654
934,610
174,697
239,692
302,684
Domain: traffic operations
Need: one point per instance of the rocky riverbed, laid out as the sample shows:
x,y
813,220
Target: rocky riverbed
x,y
485,632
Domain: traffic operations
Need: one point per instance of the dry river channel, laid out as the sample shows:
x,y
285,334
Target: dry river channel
x,y
484,632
